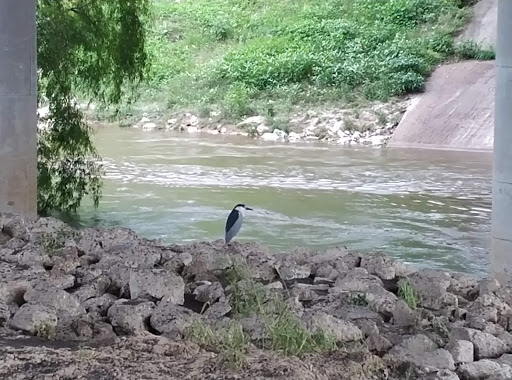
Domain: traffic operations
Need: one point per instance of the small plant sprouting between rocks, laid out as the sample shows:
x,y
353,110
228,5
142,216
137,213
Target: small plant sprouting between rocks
x,y
408,294
51,242
358,299
228,342
45,330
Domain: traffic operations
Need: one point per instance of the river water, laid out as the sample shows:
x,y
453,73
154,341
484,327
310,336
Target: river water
x,y
430,208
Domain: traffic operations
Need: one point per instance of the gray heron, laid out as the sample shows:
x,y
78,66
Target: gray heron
x,y
234,222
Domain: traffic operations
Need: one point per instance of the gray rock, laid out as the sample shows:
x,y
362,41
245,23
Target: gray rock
x,y
93,289
138,255
209,292
380,300
308,292
323,281
479,370
505,373
35,319
129,317
157,283
4,238
218,310
460,313
487,308
15,244
119,275
506,337
290,271
88,327
378,343
32,255
486,345
432,286
403,270
100,304
15,226
488,286
504,359
254,327
342,331
328,257
326,271
65,265
462,351
442,375
177,262
7,311
356,282
367,326
379,265
422,352
171,319
403,315
63,302
276,285
462,284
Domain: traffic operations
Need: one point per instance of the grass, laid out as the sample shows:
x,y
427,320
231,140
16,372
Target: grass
x,y
265,57
229,342
408,294
288,335
284,331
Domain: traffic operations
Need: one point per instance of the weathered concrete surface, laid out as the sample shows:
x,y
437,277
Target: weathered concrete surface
x,y
18,106
455,112
483,25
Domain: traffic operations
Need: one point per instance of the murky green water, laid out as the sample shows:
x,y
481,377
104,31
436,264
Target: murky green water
x,y
425,207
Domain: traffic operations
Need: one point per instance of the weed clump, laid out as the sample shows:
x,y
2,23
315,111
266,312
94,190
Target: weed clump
x,y
229,342
408,294
283,331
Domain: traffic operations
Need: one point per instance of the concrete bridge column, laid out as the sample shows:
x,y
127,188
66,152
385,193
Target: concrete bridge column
x,y
18,107
502,167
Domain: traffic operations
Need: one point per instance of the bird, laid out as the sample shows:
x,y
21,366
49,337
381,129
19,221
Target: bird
x,y
234,221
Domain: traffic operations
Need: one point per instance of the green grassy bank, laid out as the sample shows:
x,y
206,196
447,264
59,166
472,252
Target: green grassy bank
x,y
241,58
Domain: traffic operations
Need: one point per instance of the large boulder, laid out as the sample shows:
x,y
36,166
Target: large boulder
x,y
130,317
156,284
423,352
35,319
171,319
486,345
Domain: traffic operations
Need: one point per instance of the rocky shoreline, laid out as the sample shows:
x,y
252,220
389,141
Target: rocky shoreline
x,y
106,304
371,125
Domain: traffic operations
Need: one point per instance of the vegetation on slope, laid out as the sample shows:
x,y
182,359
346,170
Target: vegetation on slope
x,y
262,56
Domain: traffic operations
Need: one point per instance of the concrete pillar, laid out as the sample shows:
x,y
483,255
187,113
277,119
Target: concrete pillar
x,y
502,167
18,107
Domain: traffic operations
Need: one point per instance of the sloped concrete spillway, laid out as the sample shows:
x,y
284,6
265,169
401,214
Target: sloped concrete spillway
x,y
455,112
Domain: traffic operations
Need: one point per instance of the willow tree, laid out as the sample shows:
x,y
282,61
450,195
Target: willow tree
x,y
88,50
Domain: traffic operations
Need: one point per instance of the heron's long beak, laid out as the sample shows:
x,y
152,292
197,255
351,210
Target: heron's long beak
x,y
248,208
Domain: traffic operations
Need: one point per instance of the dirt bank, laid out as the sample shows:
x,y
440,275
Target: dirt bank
x,y
106,304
